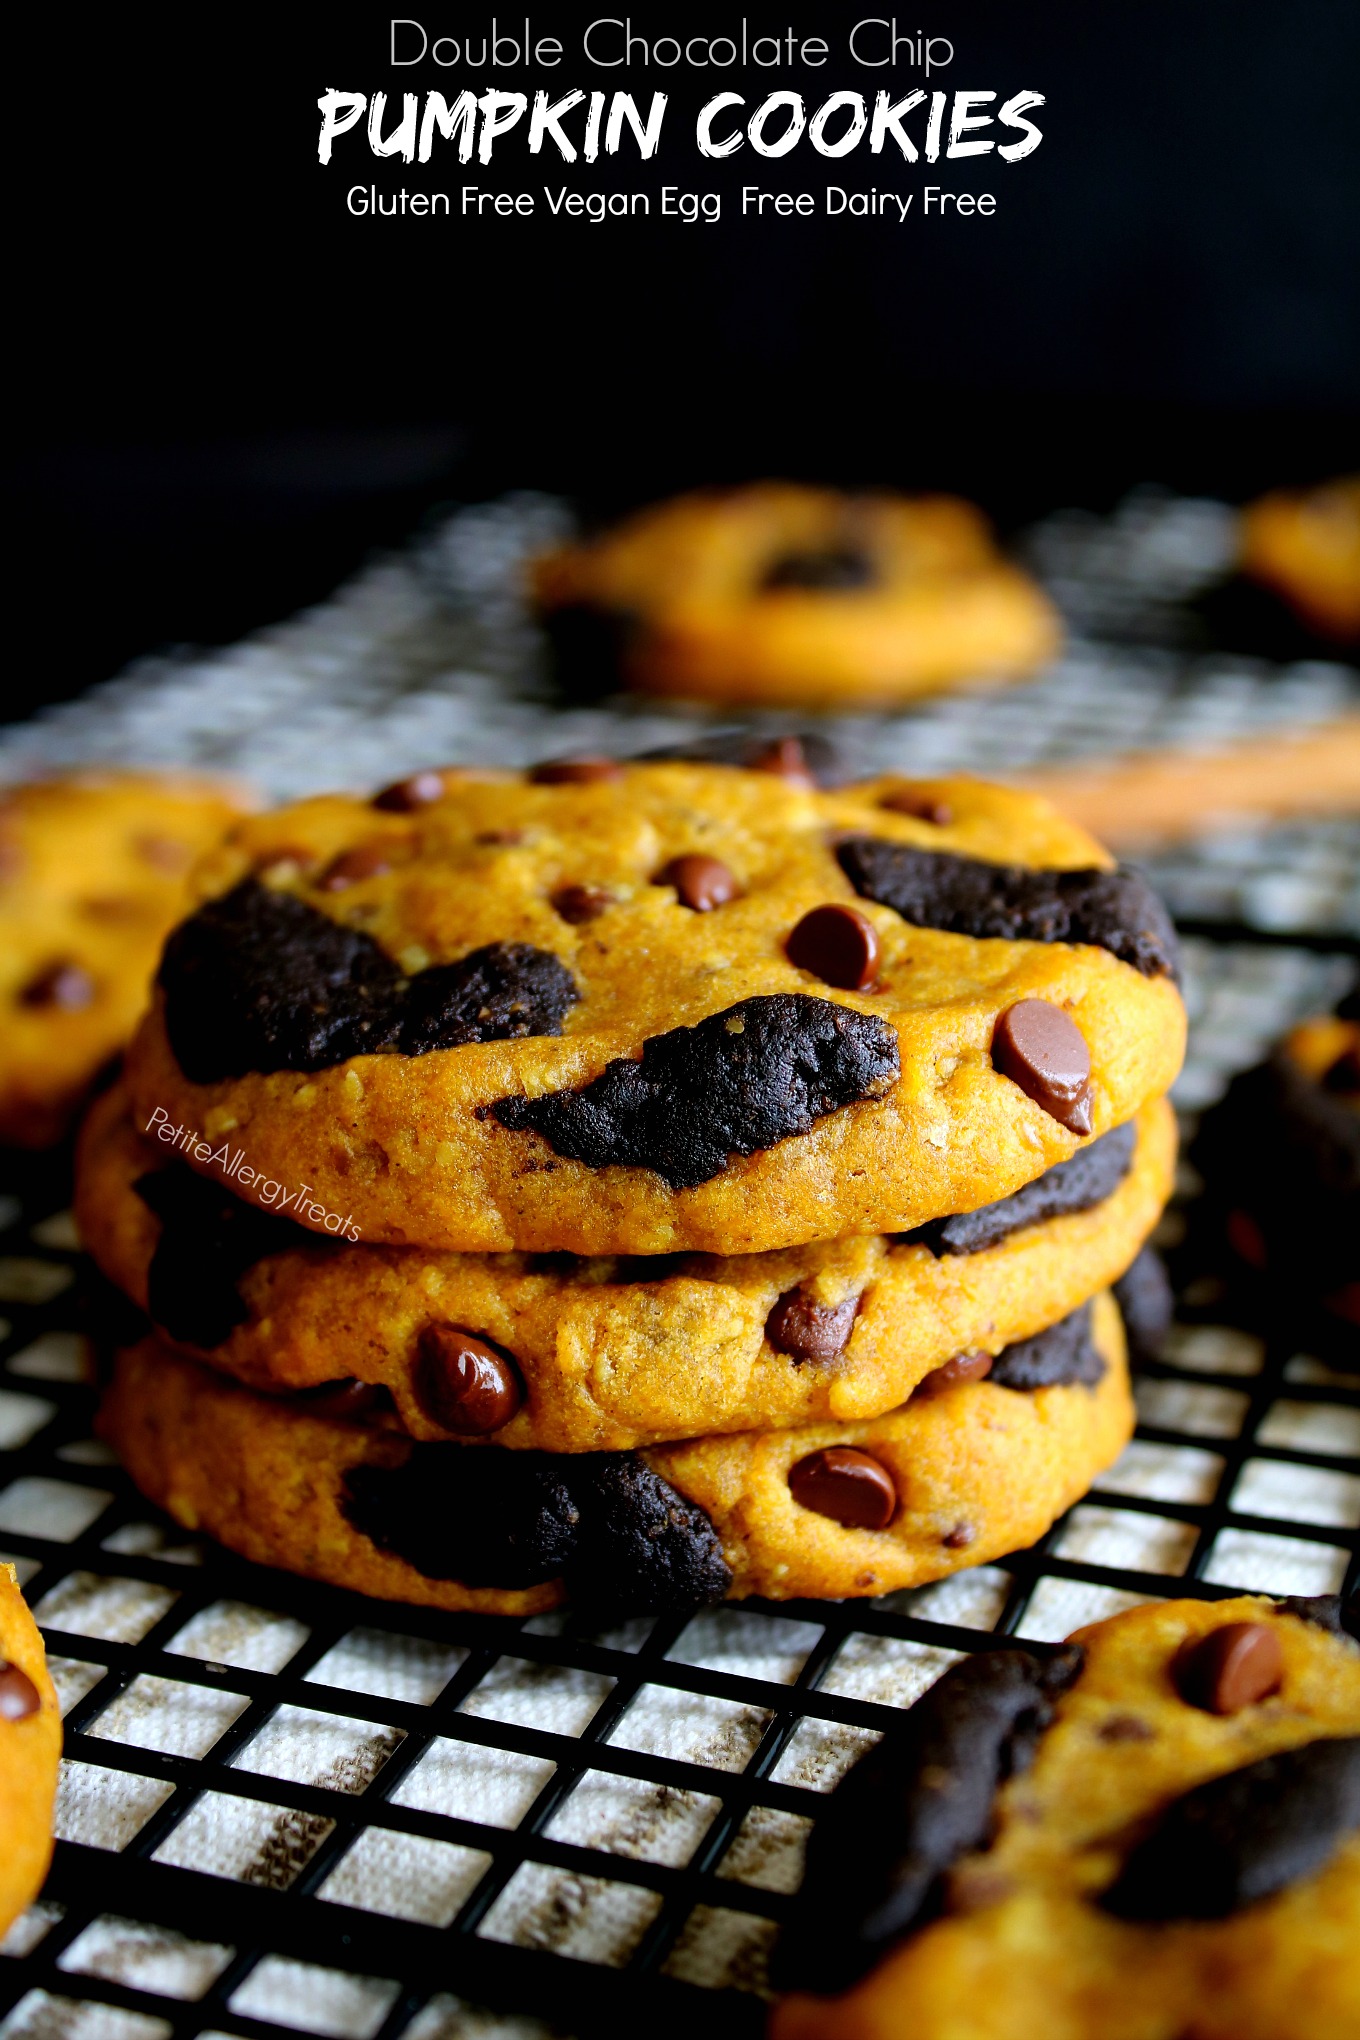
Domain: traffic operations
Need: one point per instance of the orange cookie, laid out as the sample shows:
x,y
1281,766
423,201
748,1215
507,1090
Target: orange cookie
x,y
30,1751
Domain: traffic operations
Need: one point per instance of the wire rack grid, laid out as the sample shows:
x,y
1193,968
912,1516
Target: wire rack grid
x,y
289,1809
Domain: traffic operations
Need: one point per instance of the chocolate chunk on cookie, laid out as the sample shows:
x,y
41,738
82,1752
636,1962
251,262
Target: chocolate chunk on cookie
x,y
1338,1614
208,1240
642,1546
1063,1356
490,1519
1114,910
735,1083
910,1809
1092,1175
1146,1304
259,980
1243,1836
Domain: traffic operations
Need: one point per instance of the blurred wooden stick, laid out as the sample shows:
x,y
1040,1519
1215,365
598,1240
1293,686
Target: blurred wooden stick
x,y
1156,797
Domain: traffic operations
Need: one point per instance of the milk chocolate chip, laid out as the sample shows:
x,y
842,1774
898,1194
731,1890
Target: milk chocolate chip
x,y
18,1694
64,985
847,1485
403,796
787,759
954,1373
810,1331
1042,1050
581,903
837,944
365,860
1230,1668
576,771
465,1383
701,883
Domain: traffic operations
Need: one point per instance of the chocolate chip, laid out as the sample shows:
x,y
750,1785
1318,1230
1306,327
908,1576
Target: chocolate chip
x,y
489,1519
208,1239
849,1486
837,944
787,759
1338,1616
924,807
1042,1050
701,883
959,1538
349,1401
1064,1356
581,903
1115,910
1243,1836
576,771
64,985
1089,1176
1146,1304
810,759
910,1809
1125,1728
404,796
365,860
642,1546
964,1367
737,1082
260,980
832,568
810,1331
465,1383
1229,1668
18,1695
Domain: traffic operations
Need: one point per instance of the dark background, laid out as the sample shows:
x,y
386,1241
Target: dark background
x,y
230,390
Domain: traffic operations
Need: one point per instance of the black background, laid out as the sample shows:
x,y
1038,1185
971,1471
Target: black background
x,y
230,389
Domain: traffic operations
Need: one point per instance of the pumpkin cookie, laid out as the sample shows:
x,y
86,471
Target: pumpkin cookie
x,y
604,1009
1151,1832
778,593
1305,546
30,1751
978,1463
93,875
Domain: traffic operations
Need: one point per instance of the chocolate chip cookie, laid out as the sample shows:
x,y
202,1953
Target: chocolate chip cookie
x,y
30,1751
777,593
979,1462
1305,546
605,1354
93,874
1150,1832
491,1011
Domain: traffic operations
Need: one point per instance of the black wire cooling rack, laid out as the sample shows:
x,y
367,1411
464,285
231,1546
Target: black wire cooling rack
x,y
261,1823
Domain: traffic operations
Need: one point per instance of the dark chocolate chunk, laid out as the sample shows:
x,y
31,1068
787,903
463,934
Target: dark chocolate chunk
x,y
18,1694
810,1331
1115,910
1230,1667
455,1512
849,1486
1041,1048
465,1383
1338,1616
701,883
1143,1293
1243,1836
208,1240
63,985
910,1809
832,568
642,1546
1092,1174
1063,1356
737,1082
837,944
260,980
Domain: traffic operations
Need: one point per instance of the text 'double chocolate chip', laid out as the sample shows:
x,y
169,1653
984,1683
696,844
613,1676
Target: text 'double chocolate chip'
x,y
576,772
464,1383
404,796
18,1695
757,1073
918,1801
851,1487
955,1373
837,944
810,1331
63,985
260,980
1041,1048
1230,1668
701,883
1115,910
1241,1837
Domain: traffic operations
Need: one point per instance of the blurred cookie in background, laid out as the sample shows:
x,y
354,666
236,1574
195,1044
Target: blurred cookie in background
x,y
93,875
779,593
30,1750
1304,546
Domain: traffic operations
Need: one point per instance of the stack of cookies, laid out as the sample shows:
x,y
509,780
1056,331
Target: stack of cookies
x,y
645,1184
